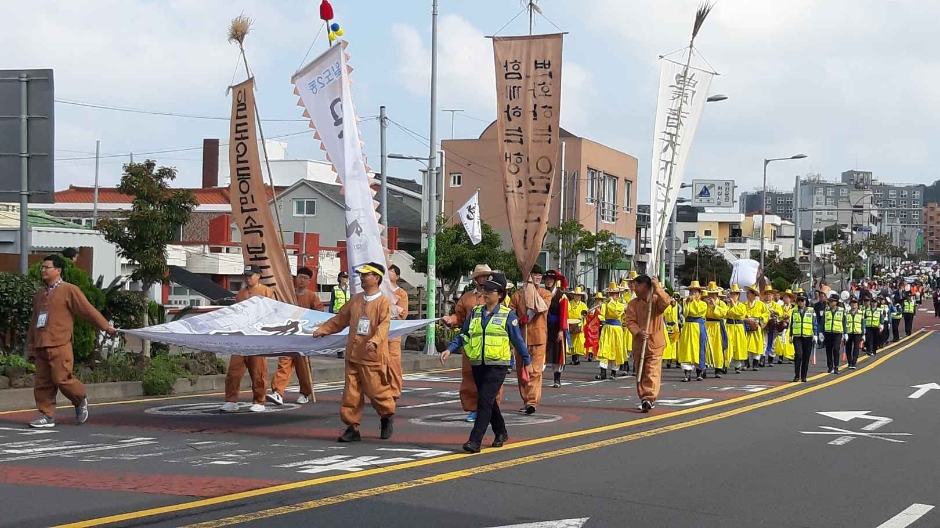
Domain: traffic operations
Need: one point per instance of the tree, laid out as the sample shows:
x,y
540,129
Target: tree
x,y
705,264
831,233
457,256
846,256
157,212
786,269
571,239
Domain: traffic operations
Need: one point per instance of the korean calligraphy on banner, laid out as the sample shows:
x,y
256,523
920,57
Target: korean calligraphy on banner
x,y
682,94
528,101
260,243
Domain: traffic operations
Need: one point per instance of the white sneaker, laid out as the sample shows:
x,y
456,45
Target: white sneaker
x,y
274,398
302,399
229,407
256,407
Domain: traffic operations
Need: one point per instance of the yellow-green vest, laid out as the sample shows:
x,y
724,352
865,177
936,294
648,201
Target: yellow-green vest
x,y
872,317
908,307
833,321
340,297
896,315
489,344
802,323
856,323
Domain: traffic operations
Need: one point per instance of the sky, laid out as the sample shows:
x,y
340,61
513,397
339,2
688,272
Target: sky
x,y
849,83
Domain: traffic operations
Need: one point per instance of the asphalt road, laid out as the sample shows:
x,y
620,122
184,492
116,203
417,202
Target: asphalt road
x,y
746,450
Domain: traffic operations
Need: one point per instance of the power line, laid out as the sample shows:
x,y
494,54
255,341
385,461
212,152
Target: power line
x,y
165,114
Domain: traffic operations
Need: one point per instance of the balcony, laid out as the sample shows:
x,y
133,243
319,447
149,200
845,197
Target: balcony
x,y
742,243
222,259
696,242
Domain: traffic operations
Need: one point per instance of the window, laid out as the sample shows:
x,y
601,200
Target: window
x,y
789,200
305,207
892,204
903,214
892,193
708,233
915,194
180,291
780,200
627,199
456,179
608,198
592,180
879,193
687,235
903,193
830,201
769,200
819,191
903,203
234,285
831,191
843,192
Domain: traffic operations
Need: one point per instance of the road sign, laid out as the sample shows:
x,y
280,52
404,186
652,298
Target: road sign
x,y
845,436
863,229
923,389
712,193
40,134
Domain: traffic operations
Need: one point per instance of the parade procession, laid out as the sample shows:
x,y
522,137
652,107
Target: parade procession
x,y
515,326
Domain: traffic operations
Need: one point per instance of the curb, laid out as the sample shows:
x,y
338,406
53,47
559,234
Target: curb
x,y
324,370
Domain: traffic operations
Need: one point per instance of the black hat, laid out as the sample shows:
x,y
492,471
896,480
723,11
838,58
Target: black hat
x,y
496,282
343,275
536,269
550,274
251,270
853,300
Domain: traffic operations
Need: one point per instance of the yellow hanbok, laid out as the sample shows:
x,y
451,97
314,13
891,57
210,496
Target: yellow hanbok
x,y
610,348
737,337
783,343
575,315
671,322
715,353
691,339
757,311
627,335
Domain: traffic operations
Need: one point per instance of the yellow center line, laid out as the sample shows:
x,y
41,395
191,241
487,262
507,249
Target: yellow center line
x,y
201,503
538,457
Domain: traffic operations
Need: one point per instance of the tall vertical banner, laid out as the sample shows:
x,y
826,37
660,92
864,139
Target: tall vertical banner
x,y
261,245
679,106
528,104
324,90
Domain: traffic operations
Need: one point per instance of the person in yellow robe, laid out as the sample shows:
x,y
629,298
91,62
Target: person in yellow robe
x,y
692,339
757,317
577,312
734,321
626,295
671,321
783,344
771,329
611,351
717,339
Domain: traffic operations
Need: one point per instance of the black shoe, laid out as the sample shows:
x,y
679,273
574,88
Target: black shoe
x,y
471,447
704,374
530,409
717,374
341,354
602,375
835,371
688,376
698,375
557,380
500,439
388,427
350,435
737,370
754,368
803,380
796,379
770,362
646,405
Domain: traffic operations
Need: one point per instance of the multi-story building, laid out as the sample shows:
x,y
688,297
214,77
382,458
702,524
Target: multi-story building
x,y
594,184
778,203
932,228
736,235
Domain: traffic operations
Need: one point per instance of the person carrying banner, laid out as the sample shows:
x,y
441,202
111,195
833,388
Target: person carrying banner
x,y
468,301
577,312
671,326
909,311
394,345
368,316
610,346
255,366
49,341
485,338
285,365
693,339
717,336
557,324
531,306
737,337
647,291
833,331
757,317
855,331
802,330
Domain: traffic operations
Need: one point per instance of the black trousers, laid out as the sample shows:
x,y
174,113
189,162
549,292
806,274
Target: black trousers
x,y
852,347
908,323
488,379
936,309
872,335
803,349
896,329
832,341
885,334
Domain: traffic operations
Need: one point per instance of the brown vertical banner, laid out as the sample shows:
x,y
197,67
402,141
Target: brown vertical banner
x,y
528,104
260,243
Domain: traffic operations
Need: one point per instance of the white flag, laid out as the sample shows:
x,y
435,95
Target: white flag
x,y
470,216
682,93
324,90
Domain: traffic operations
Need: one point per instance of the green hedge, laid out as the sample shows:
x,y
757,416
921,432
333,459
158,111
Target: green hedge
x,y
17,292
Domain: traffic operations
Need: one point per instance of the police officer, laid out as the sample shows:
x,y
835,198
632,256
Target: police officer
x,y
855,331
909,311
803,330
833,330
896,317
340,297
874,318
486,338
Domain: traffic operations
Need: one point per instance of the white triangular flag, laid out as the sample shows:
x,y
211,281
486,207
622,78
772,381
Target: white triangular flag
x,y
470,216
863,255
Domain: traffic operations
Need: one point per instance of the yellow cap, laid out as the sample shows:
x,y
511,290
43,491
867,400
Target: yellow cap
x,y
369,268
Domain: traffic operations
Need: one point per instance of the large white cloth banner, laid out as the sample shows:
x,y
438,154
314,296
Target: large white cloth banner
x,y
679,107
470,217
324,90
259,326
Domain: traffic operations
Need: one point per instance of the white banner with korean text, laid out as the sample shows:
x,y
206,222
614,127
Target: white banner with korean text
x,y
470,217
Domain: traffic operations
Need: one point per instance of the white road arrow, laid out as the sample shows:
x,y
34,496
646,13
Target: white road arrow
x,y
845,416
562,523
923,389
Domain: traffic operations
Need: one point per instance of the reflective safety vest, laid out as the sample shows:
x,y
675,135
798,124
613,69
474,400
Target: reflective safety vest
x,y
872,317
489,344
833,321
855,322
802,323
896,315
908,307
340,297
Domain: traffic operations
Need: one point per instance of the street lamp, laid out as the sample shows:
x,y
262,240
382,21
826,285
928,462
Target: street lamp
x,y
763,216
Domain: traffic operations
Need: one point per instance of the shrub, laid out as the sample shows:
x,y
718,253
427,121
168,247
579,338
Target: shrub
x,y
120,365
15,311
158,381
84,335
780,284
12,363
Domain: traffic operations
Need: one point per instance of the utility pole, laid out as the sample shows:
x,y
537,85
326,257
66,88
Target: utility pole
x,y
452,112
598,179
672,249
24,175
430,347
94,214
532,10
383,188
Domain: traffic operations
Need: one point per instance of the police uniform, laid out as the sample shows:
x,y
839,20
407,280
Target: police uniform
x,y
874,318
855,330
833,330
803,331
909,311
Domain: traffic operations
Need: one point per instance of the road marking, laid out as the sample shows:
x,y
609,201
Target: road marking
x,y
432,404
561,523
907,517
845,435
923,389
905,344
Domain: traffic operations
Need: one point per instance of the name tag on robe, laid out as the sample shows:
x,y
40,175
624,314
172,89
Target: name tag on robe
x,y
42,319
363,327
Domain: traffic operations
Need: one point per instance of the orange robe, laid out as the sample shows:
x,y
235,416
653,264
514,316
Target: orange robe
x,y
535,331
394,345
286,364
256,366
